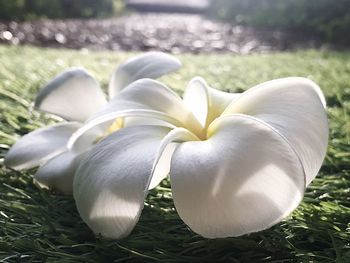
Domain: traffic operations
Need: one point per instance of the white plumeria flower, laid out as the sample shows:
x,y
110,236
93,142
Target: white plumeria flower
x,y
238,163
75,96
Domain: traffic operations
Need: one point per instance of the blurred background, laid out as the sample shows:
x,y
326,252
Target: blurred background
x,y
236,26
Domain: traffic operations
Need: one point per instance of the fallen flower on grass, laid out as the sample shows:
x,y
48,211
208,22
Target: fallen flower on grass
x,y
238,163
75,96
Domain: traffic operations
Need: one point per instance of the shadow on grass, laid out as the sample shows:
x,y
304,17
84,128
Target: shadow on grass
x,y
45,226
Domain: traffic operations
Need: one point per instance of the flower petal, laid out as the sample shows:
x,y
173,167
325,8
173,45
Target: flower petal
x,y
163,167
144,98
58,173
295,108
150,65
244,178
152,95
112,181
40,145
196,98
73,95
165,152
205,102
87,135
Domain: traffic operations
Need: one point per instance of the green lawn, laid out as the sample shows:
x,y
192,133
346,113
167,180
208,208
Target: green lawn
x,y
36,225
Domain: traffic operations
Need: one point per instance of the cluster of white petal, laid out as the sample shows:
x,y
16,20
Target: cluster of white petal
x,y
76,96
238,163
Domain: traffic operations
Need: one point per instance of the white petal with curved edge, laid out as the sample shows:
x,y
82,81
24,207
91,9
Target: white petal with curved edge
x,y
144,99
165,152
294,107
112,181
87,135
163,167
152,95
196,98
58,173
134,121
150,65
243,179
73,95
205,102
40,145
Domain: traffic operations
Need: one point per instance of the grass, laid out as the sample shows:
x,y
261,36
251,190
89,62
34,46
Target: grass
x,y
37,226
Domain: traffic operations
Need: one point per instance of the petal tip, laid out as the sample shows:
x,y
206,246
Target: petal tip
x,y
57,81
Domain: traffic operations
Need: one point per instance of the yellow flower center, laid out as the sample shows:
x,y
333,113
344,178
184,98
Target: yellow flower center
x,y
116,125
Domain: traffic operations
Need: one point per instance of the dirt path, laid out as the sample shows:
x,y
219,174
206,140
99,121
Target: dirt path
x,y
167,32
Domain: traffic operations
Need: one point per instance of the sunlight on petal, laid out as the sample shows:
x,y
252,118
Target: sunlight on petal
x,y
243,179
111,183
85,137
73,95
37,147
150,65
196,98
295,108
